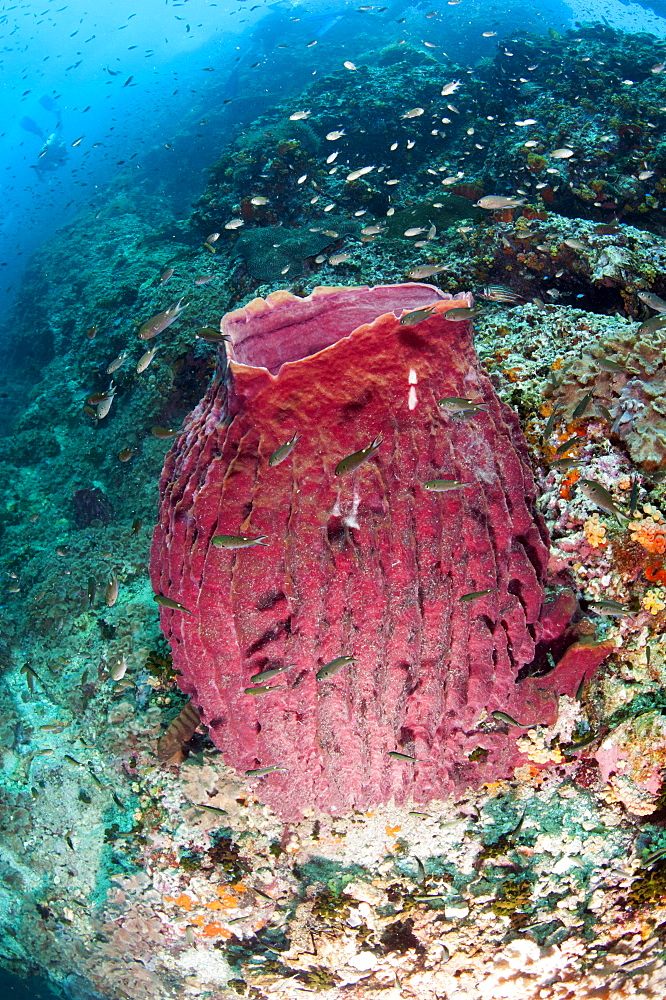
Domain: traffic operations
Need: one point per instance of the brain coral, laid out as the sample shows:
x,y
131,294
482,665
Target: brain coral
x,y
435,596
636,401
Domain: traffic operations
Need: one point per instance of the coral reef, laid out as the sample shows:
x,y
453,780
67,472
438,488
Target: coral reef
x,y
125,876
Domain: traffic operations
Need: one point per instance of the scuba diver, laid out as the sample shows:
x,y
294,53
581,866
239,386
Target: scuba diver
x,y
53,153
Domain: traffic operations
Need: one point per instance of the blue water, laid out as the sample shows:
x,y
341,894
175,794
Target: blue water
x,y
12,988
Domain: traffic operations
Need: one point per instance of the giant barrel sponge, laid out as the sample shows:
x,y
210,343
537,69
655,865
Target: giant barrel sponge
x,y
367,564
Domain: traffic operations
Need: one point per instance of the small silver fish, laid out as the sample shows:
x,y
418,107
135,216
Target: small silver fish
x,y
548,429
496,202
357,458
156,324
600,496
104,404
566,445
442,485
265,675
476,594
454,404
426,271
166,602
211,336
238,541
145,359
471,412
416,316
653,301
283,451
612,366
259,772
651,325
611,609
653,856
566,463
116,363
261,689
510,721
576,244
459,313
333,666
111,591
582,406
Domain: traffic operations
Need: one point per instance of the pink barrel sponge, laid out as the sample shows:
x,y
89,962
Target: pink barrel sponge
x,y
367,564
